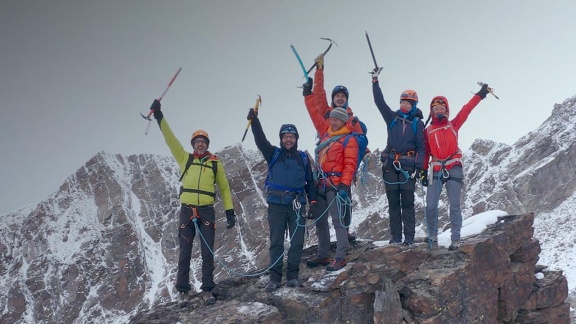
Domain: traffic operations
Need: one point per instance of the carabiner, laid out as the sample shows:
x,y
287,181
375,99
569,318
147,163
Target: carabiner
x,y
445,173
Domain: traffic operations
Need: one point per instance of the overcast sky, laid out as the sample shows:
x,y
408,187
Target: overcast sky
x,y
75,75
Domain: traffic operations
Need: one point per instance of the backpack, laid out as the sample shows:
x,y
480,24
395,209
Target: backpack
x,y
414,123
361,139
275,157
191,161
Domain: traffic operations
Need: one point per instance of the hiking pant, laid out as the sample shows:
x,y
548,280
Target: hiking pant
x,y
400,194
186,234
329,206
454,184
280,218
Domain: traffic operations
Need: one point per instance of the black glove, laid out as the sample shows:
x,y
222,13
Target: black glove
x,y
307,87
312,210
230,218
252,114
156,106
483,91
423,176
343,191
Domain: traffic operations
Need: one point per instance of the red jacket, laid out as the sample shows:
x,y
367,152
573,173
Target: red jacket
x,y
442,136
336,161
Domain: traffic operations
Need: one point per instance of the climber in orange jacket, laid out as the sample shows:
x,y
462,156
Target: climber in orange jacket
x,y
337,160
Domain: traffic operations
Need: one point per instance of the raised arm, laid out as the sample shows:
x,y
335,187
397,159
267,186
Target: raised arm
x,y
262,142
381,104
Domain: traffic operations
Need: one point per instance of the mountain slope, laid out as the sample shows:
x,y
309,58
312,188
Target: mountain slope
x,y
105,244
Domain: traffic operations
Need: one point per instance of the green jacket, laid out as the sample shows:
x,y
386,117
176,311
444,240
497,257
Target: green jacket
x,y
199,181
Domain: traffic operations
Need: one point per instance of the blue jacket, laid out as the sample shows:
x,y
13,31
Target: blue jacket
x,y
401,136
288,170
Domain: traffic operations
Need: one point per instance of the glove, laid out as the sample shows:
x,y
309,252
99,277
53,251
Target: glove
x,y
307,88
375,73
230,218
156,106
312,210
483,91
252,114
319,60
343,191
423,176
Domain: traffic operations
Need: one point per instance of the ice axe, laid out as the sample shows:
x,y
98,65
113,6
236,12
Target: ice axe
x,y
377,69
489,89
159,99
324,53
256,106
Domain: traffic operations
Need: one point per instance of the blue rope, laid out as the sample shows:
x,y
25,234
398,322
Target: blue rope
x,y
255,274
404,173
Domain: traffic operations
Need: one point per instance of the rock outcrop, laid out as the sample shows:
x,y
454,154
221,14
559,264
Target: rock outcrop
x,y
493,278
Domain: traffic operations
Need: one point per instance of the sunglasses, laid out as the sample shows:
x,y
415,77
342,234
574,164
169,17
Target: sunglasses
x,y
440,102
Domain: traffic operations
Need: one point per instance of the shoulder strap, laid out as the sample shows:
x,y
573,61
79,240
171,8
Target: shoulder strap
x,y
304,157
415,124
275,157
346,139
188,164
191,161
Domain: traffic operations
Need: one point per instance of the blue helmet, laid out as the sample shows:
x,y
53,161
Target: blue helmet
x,y
340,88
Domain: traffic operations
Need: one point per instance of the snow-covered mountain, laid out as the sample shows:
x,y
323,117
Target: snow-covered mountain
x,y
104,246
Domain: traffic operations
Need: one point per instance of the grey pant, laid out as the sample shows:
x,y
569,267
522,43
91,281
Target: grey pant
x,y
323,229
454,184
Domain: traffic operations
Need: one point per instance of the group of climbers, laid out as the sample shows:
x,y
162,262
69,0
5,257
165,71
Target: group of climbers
x,y
413,153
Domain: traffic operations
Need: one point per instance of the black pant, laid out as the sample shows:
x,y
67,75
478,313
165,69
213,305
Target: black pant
x,y
187,232
281,217
400,194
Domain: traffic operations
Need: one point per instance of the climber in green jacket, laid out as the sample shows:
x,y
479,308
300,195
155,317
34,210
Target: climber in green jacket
x,y
200,172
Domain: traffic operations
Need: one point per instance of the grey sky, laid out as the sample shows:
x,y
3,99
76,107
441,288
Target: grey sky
x,y
74,75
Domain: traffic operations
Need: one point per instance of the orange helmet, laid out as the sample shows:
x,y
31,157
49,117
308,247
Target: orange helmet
x,y
200,133
409,95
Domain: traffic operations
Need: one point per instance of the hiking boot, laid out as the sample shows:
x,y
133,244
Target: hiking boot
x,y
351,237
294,283
312,263
393,241
183,299
454,245
336,264
207,297
272,285
408,243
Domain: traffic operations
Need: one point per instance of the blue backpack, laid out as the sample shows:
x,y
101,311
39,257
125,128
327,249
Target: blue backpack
x,y
361,139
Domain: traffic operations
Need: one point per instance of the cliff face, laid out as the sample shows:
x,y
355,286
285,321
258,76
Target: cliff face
x,y
493,278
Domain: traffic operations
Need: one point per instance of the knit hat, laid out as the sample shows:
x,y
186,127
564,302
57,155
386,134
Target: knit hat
x,y
339,113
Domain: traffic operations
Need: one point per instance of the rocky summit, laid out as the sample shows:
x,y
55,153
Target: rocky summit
x,y
493,278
